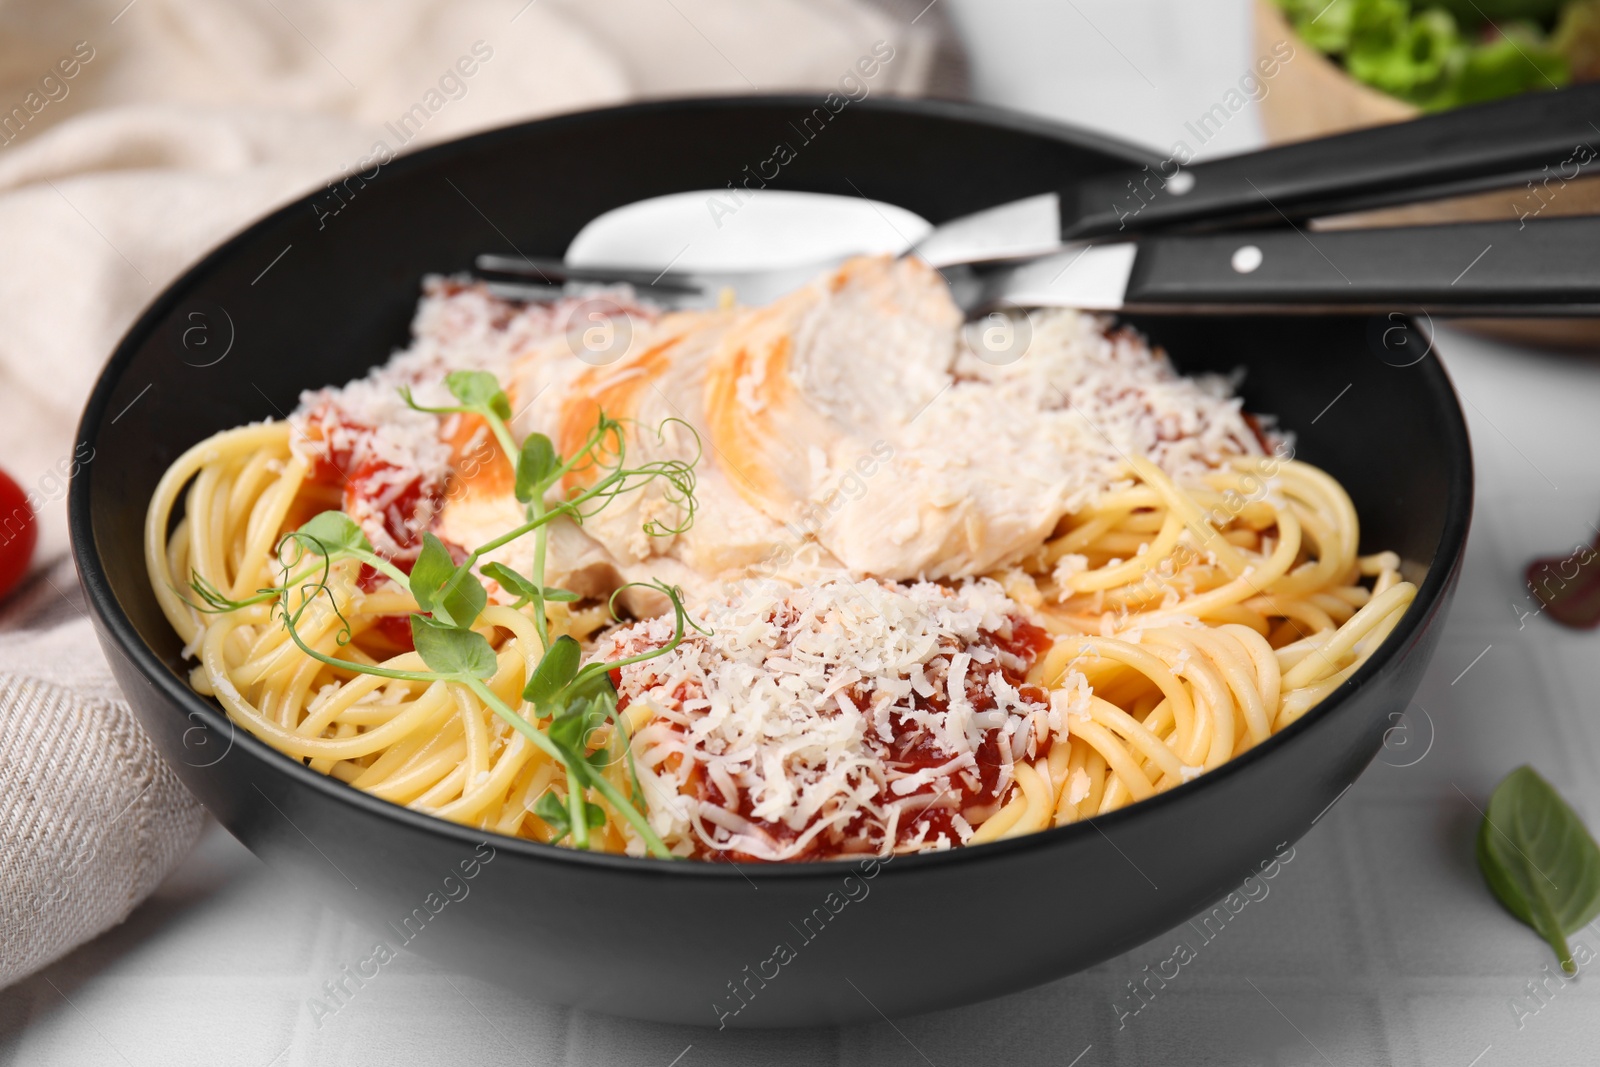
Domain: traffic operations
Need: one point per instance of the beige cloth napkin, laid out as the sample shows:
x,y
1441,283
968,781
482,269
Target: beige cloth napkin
x,y
135,136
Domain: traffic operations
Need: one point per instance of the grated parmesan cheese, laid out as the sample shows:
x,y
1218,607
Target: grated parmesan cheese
x,y
842,717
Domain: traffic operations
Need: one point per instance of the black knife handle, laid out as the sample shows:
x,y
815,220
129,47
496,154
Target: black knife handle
x,y
1549,267
1554,135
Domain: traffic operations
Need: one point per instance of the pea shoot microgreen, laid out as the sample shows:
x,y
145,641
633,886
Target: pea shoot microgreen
x,y
576,702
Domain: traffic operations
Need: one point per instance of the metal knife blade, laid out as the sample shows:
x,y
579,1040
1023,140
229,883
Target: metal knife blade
x,y
1091,277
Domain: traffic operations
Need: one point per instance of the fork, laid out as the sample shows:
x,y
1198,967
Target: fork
x,y
1072,246
1543,267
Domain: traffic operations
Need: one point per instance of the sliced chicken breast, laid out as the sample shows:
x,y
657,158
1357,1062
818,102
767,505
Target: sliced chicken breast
x,y
863,410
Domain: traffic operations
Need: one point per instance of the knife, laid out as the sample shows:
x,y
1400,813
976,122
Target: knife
x,y
1535,268
1543,136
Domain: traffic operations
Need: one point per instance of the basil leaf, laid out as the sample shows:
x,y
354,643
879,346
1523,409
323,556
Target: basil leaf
x,y
461,598
479,389
432,569
555,670
1539,860
336,531
449,650
537,462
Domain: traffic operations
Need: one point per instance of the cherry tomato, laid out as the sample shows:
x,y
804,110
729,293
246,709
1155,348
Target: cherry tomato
x,y
19,532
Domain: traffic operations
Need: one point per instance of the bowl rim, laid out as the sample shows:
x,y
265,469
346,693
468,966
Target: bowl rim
x,y
115,624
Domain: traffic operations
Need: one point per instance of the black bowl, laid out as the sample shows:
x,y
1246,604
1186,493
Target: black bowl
x,y
323,289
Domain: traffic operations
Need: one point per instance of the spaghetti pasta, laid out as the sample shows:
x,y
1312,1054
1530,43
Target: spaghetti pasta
x,y
1170,621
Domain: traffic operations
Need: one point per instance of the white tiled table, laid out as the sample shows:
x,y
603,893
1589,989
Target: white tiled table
x,y
1377,943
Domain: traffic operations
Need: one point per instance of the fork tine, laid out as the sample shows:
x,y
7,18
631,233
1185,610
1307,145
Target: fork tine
x,y
524,292
554,271
538,293
547,270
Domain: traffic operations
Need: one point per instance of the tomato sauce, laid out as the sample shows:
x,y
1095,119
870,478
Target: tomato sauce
x,y
976,791
402,504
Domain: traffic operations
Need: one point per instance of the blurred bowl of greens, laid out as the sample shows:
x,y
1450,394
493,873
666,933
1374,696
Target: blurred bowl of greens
x,y
1342,64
